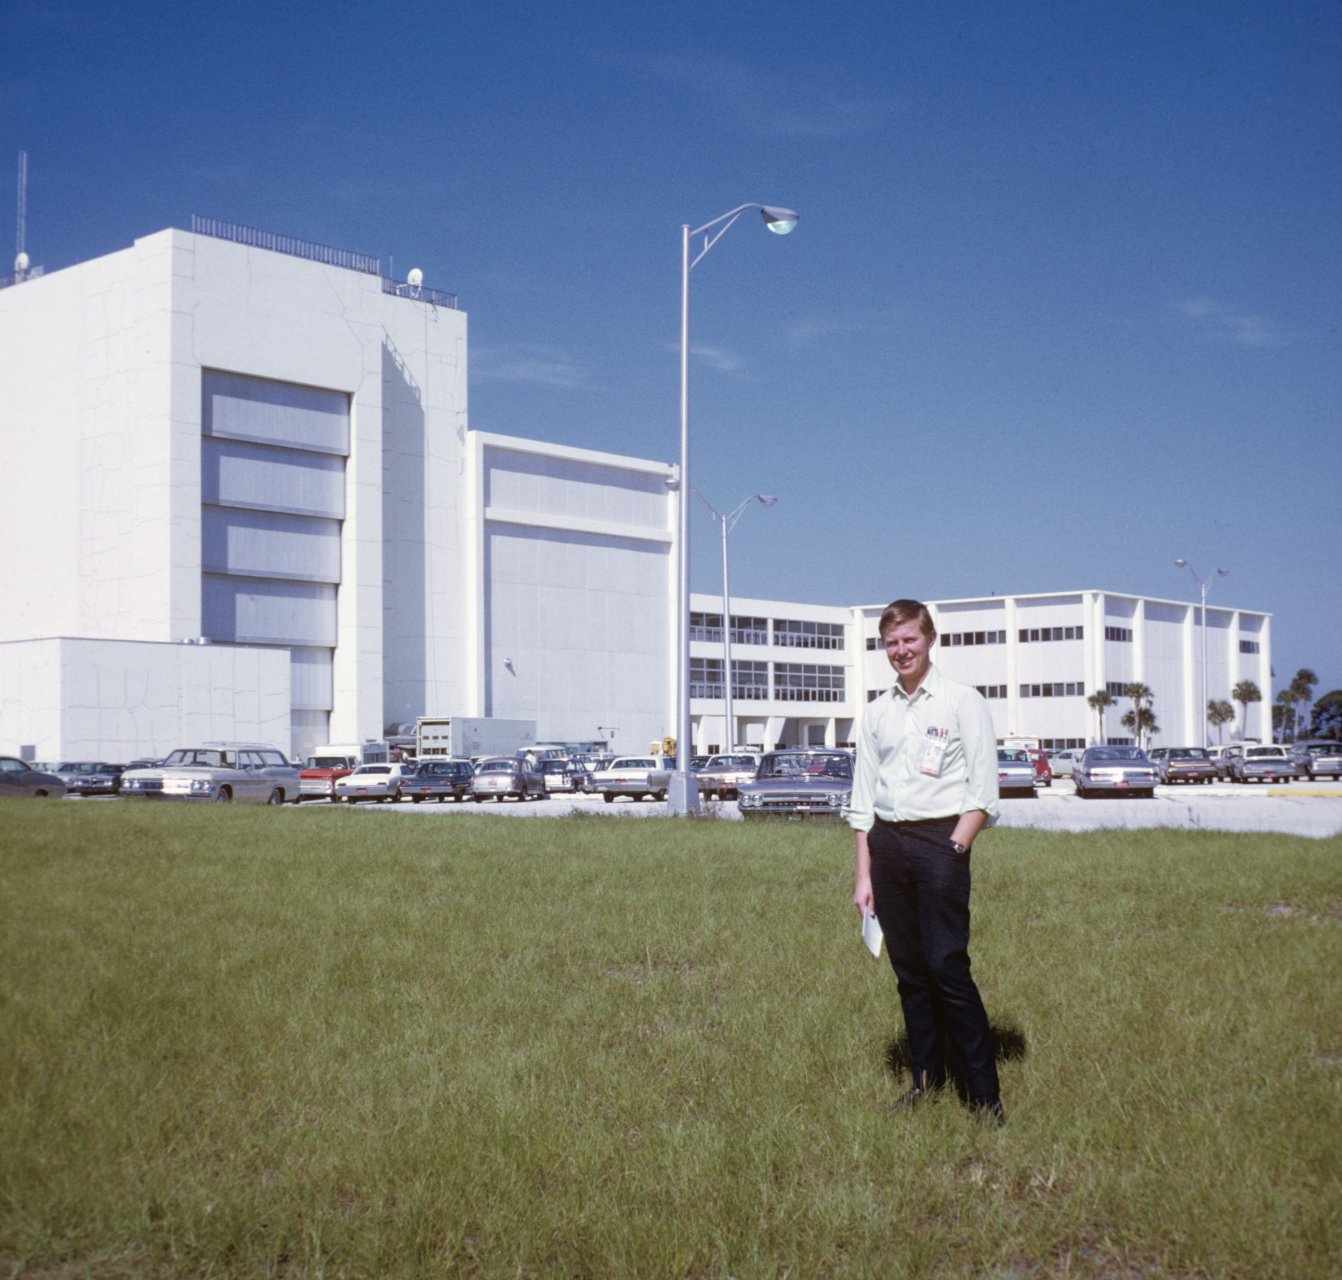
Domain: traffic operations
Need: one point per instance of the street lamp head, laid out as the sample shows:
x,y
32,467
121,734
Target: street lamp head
x,y
1181,564
779,221
765,499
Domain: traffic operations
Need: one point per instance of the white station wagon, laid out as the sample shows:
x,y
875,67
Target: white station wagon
x,y
249,772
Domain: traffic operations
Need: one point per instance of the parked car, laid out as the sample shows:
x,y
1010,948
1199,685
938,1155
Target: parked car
x,y
566,776
380,782
1220,757
1252,763
503,776
436,779
248,772
18,778
1015,771
635,777
1062,762
1043,770
798,783
90,778
1121,770
723,775
1183,764
1324,758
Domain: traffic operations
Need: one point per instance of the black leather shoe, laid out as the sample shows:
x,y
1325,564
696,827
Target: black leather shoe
x,y
908,1101
989,1111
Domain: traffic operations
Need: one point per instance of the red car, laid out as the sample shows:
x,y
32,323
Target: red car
x,y
1043,771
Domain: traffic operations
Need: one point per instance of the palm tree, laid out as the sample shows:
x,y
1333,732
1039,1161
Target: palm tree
x,y
1219,713
1097,702
1302,696
1142,722
1134,720
1244,693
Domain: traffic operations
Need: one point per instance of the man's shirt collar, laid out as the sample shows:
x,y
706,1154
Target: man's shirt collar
x,y
929,686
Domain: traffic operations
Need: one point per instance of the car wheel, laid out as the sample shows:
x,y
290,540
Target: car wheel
x,y
276,797
416,799
608,797
1080,790
659,796
223,796
478,799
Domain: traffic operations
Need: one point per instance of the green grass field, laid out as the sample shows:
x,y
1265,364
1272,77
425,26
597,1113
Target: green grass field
x,y
323,1043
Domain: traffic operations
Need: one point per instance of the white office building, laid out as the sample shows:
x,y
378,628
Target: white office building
x,y
241,499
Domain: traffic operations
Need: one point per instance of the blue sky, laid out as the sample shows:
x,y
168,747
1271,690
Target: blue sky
x,y
1063,304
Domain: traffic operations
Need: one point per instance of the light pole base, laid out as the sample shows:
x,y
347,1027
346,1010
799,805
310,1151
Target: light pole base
x,y
682,795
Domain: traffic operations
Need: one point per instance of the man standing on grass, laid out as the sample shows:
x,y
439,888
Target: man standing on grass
x,y
924,786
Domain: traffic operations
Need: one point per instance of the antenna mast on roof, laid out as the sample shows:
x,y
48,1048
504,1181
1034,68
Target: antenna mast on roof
x,y
20,257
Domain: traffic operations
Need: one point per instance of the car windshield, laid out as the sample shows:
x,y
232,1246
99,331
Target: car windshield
x,y
1271,753
498,766
634,762
1187,753
813,764
189,756
732,762
1012,756
1117,753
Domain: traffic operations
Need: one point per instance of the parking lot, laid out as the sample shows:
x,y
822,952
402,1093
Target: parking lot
x,y
1298,808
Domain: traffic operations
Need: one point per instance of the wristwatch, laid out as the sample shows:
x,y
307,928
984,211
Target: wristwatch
x,y
961,849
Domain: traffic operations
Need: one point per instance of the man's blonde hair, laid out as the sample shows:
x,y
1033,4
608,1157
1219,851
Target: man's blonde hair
x,y
899,611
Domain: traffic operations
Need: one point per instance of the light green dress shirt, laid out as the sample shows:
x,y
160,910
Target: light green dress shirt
x,y
888,780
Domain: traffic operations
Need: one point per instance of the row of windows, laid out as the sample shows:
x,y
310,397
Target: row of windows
x,y
1060,689
992,690
1121,634
1029,635
1060,744
789,633
1248,646
792,681
958,638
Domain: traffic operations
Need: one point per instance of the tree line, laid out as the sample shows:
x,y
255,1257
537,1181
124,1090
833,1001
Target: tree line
x,y
1295,713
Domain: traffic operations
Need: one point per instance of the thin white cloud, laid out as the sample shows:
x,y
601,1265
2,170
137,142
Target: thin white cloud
x,y
768,104
1239,328
718,359
802,333
536,363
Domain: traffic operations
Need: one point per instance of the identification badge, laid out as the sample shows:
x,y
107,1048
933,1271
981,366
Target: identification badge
x,y
934,752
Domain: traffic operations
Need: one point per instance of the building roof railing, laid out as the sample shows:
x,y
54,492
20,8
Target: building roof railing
x,y
291,245
323,253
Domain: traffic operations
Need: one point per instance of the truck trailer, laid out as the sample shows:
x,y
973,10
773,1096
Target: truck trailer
x,y
464,737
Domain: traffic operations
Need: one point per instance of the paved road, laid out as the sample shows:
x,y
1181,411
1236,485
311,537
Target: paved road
x,y
1303,809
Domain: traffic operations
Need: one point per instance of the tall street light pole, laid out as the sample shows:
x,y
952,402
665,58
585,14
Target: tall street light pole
x,y
727,523
1203,587
683,791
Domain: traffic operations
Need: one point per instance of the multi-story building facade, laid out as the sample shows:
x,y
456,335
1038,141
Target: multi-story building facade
x,y
242,500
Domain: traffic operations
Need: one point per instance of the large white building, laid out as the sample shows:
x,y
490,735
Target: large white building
x,y
241,500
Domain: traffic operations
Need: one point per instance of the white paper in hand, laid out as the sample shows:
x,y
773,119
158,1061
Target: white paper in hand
x,y
871,934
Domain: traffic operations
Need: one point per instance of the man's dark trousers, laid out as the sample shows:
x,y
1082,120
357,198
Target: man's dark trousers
x,y
921,887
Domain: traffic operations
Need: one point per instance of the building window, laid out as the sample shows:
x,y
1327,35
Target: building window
x,y
873,643
1115,690
750,630
1059,744
706,678
1124,636
797,633
1248,646
992,690
1059,689
1033,635
750,681
706,626
803,682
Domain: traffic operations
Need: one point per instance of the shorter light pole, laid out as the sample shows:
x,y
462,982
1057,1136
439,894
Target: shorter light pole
x,y
726,524
1203,587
